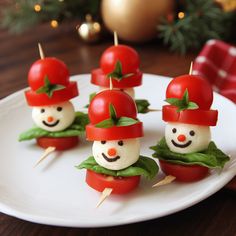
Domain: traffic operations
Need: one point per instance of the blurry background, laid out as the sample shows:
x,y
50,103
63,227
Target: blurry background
x,y
167,34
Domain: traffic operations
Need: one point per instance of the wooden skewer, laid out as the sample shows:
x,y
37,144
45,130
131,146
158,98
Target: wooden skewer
x,y
41,53
111,84
191,68
151,110
167,180
115,39
47,151
106,193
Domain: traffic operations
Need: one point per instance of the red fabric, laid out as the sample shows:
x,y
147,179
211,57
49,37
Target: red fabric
x,y
217,63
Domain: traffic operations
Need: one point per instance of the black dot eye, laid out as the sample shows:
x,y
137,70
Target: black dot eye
x,y
59,108
174,130
42,110
120,143
103,142
192,133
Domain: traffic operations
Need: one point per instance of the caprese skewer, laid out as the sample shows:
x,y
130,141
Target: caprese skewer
x,y
57,125
187,151
116,164
121,64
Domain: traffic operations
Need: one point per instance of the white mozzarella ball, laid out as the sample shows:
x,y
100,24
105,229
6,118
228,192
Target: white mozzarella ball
x,y
129,91
116,154
55,117
187,138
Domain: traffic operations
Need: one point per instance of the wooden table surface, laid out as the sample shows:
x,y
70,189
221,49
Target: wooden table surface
x,y
213,216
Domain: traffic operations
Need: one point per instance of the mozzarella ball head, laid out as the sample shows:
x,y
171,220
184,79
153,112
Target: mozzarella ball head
x,y
116,154
187,138
129,91
55,117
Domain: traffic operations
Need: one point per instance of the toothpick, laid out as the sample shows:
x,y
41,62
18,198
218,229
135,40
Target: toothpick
x,y
115,39
167,180
41,53
191,68
106,193
151,110
111,84
47,151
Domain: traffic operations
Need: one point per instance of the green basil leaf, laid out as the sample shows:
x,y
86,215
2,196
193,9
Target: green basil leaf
x,y
32,133
76,129
108,123
212,157
185,97
174,102
142,105
112,113
192,106
117,72
144,166
182,104
118,67
91,96
126,121
81,119
49,88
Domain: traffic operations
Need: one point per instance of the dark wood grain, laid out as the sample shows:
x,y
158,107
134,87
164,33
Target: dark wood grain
x,y
213,216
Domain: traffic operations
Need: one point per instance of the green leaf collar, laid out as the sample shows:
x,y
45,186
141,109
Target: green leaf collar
x,y
212,157
117,72
184,103
77,128
144,166
114,120
49,88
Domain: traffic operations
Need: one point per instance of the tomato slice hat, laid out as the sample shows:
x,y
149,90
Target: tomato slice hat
x,y
49,83
193,92
120,62
113,116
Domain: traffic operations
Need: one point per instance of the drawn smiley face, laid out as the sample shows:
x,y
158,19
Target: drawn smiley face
x,y
55,117
187,138
116,154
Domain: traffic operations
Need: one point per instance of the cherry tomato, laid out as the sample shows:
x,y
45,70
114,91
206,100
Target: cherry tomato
x,y
54,69
197,117
99,106
57,73
99,78
114,133
199,90
184,173
128,57
119,185
62,143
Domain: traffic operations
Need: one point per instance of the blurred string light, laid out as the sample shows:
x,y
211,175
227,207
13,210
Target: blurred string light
x,y
37,7
181,15
54,23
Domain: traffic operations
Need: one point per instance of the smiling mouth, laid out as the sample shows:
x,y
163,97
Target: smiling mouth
x,y
110,159
51,125
181,145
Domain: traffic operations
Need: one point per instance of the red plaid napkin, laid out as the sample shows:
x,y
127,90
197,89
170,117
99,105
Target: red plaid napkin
x,y
217,63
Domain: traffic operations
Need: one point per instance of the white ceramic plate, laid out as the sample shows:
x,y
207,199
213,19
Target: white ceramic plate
x,y
55,192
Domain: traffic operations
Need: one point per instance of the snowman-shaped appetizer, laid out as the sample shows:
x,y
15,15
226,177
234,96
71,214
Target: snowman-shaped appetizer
x,y
57,123
187,151
116,162
121,64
